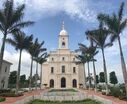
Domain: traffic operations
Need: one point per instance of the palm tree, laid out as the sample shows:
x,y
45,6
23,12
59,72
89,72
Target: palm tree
x,y
11,20
82,60
32,51
116,24
99,36
21,42
39,50
41,60
92,50
85,58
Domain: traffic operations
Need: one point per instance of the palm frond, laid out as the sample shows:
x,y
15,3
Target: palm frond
x,y
108,45
10,41
21,25
120,12
123,25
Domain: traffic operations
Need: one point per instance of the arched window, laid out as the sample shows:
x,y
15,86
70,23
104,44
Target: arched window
x,y
63,82
51,83
74,83
63,44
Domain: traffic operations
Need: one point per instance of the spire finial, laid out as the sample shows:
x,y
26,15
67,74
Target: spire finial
x,y
63,25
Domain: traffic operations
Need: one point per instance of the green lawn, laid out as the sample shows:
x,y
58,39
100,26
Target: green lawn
x,y
88,101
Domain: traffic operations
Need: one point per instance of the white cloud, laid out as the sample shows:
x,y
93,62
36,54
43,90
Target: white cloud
x,y
78,9
25,64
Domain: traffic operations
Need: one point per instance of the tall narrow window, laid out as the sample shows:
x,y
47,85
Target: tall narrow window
x,y
52,70
74,70
6,69
63,58
52,59
63,69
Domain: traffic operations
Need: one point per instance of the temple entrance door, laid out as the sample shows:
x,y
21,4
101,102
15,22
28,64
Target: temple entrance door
x,y
63,82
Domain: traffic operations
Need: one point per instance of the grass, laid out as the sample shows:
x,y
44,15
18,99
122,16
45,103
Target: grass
x,y
88,101
63,90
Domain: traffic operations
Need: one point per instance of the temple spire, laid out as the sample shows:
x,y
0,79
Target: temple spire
x,y
63,25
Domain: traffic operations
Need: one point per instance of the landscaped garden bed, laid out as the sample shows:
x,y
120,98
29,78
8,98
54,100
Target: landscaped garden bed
x,y
2,99
87,101
11,94
63,90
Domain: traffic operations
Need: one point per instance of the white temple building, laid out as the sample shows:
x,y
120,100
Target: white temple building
x,y
60,70
4,75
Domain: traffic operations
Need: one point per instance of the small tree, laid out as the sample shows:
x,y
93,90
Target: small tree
x,y
12,79
102,77
22,80
113,78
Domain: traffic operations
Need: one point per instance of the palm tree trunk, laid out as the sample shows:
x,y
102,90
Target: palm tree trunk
x,y
41,77
18,72
2,51
36,76
123,65
95,83
89,76
84,76
31,71
105,71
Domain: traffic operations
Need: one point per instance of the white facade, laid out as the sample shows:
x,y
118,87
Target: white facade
x,y
5,74
60,70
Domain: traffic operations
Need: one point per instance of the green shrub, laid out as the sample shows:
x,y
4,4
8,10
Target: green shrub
x,y
115,91
122,88
11,94
123,96
5,91
2,99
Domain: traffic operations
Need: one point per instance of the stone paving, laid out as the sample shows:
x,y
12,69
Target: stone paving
x,y
39,95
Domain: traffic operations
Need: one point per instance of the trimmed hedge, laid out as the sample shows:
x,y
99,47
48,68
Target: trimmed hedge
x,y
2,99
11,94
5,91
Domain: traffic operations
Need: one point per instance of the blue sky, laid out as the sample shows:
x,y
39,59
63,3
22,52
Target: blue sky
x,y
79,16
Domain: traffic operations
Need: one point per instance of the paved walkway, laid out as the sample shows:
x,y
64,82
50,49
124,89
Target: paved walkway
x,y
11,100
114,99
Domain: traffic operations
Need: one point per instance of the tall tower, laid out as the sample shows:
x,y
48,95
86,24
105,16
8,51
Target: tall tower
x,y
63,38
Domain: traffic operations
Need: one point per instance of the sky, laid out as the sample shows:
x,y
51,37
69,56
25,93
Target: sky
x,y
78,16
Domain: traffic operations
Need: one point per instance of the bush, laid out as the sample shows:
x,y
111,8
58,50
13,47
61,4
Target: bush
x,y
11,94
5,90
115,91
2,99
99,87
123,97
122,88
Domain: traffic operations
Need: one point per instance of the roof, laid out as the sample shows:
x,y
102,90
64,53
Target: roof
x,y
7,62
